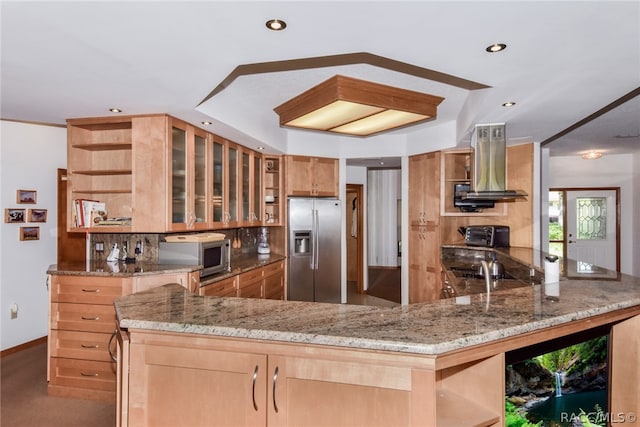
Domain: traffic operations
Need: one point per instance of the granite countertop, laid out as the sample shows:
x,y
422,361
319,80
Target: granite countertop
x,y
425,328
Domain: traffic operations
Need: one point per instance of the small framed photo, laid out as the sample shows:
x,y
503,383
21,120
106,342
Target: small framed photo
x,y
14,215
37,215
26,197
29,233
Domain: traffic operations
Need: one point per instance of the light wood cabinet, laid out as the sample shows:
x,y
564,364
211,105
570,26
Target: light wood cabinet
x,y
255,382
424,227
312,176
156,174
273,200
456,168
194,385
188,186
262,282
81,325
222,288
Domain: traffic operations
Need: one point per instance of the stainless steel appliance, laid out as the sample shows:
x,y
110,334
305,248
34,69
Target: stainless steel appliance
x,y
492,236
314,249
213,256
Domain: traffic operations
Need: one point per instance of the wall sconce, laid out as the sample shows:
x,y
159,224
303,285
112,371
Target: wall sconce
x,y
591,155
356,107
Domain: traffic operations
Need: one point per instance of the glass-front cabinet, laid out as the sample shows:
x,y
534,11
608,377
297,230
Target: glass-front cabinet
x,y
230,218
218,191
188,181
251,188
178,187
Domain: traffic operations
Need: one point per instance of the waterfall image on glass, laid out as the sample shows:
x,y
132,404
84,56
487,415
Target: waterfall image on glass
x,y
559,380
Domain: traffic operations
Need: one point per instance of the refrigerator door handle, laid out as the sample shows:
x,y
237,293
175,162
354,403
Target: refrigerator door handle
x,y
316,226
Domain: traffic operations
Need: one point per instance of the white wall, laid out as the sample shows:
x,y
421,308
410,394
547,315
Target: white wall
x,y
636,215
29,158
608,171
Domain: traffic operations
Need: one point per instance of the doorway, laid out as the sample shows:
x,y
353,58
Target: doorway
x,y
584,225
355,246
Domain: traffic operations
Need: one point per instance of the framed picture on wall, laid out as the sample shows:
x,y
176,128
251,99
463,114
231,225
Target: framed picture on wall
x,y
26,196
37,215
29,233
14,215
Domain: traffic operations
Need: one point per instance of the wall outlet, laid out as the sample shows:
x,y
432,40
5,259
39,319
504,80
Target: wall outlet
x,y
14,310
99,246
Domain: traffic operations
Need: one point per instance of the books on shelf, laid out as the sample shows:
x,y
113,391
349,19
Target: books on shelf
x,y
87,213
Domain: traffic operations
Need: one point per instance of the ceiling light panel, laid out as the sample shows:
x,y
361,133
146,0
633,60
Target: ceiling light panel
x,y
356,107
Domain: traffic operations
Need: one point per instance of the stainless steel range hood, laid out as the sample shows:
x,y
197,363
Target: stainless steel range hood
x,y
489,146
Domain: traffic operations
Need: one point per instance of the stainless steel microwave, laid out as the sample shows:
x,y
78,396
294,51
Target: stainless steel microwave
x,y
214,257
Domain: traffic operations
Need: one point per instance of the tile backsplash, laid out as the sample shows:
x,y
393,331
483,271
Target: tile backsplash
x,y
246,239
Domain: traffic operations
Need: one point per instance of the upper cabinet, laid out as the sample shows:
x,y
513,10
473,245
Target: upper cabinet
x,y
156,174
456,168
273,175
312,176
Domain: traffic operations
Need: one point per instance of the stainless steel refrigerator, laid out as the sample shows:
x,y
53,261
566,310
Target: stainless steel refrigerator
x,y
314,249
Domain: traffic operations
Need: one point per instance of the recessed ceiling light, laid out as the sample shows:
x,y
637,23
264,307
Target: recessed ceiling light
x,y
206,123
591,155
276,24
509,104
260,148
496,47
115,110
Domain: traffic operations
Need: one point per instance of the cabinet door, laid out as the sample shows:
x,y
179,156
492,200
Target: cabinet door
x,y
219,190
298,169
178,179
317,392
325,177
251,187
625,372
232,200
424,230
199,217
194,386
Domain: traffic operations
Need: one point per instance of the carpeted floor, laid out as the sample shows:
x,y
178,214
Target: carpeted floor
x,y
384,283
25,403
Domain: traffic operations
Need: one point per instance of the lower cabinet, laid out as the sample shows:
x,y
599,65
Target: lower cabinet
x,y
81,348
262,282
178,379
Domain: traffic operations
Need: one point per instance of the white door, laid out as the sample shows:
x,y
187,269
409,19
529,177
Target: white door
x,y
591,230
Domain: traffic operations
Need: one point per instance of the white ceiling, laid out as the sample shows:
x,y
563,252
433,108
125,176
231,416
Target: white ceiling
x,y
564,61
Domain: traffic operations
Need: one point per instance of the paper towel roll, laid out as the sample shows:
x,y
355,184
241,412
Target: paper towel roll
x,y
552,278
551,272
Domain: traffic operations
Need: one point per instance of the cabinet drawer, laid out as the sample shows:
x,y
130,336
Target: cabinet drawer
x,y
81,345
85,289
249,278
251,291
83,317
83,374
275,268
223,288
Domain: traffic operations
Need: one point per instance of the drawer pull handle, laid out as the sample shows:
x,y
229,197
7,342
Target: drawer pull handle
x,y
90,318
90,290
89,345
92,374
275,380
253,389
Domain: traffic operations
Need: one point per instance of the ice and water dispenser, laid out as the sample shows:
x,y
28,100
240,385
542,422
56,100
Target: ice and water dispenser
x,y
301,242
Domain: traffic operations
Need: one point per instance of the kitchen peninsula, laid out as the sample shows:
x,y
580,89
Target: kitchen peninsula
x,y
189,359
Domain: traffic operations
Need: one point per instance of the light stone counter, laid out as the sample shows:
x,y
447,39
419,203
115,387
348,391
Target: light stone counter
x,y
425,328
